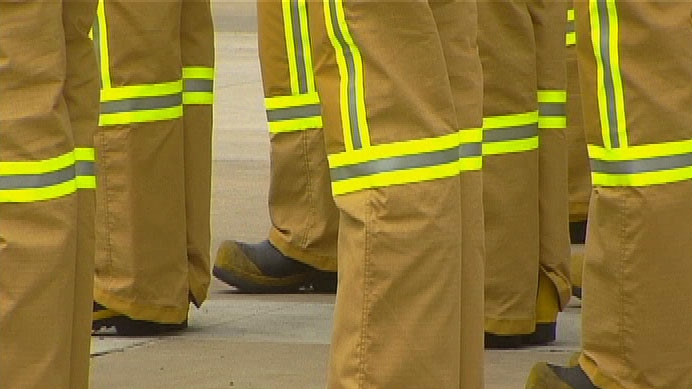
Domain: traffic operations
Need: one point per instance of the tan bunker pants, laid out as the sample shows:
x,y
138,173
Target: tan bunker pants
x,y
635,63
153,204
305,220
48,116
525,162
400,84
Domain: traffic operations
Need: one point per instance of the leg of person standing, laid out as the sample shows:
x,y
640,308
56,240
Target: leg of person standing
x,y
301,249
48,115
153,207
635,66
396,147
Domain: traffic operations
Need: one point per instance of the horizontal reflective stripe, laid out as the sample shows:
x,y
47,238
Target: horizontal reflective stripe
x,y
194,85
552,96
137,91
552,122
31,181
551,109
409,176
198,72
406,162
141,104
641,165
141,116
510,146
410,147
510,133
512,120
278,102
294,125
570,14
9,168
198,98
279,114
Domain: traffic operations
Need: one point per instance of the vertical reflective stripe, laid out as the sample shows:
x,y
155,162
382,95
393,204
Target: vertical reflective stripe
x,y
291,52
198,85
350,64
101,42
604,36
570,36
297,36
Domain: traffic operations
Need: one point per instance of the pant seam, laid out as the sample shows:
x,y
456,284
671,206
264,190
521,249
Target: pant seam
x,y
362,363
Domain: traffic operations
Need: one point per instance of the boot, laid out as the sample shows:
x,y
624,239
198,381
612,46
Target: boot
x,y
546,376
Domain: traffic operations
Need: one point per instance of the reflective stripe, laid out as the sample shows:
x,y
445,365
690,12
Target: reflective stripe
x,y
641,165
100,30
141,103
510,133
552,109
198,85
570,35
352,89
297,35
406,162
293,113
47,179
604,36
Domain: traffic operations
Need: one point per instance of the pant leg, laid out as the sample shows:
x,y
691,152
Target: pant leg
x,y
510,171
393,140
81,96
549,21
45,116
638,273
448,16
197,55
141,254
304,217
579,172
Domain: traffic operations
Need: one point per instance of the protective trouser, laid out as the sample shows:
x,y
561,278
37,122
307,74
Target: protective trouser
x,y
154,143
48,116
579,172
304,218
635,63
525,161
401,91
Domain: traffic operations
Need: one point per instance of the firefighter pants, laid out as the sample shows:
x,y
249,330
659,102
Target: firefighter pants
x,y
635,63
304,218
401,90
525,162
154,143
48,116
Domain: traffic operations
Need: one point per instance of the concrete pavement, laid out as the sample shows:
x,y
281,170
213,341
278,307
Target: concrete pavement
x,y
269,341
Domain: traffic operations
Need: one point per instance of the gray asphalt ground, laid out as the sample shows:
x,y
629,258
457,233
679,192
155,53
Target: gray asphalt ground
x,y
270,341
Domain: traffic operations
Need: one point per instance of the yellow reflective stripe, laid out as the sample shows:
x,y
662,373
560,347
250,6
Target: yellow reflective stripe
x,y
307,45
146,90
571,35
103,52
145,116
9,168
570,14
642,179
571,39
604,37
406,162
510,146
290,46
198,72
349,63
552,122
654,150
279,102
294,125
552,96
519,119
198,98
85,182
38,194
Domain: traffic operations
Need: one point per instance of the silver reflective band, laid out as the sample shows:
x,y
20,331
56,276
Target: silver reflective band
x,y
85,168
25,181
406,162
306,111
551,109
642,165
141,104
510,133
198,85
570,26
